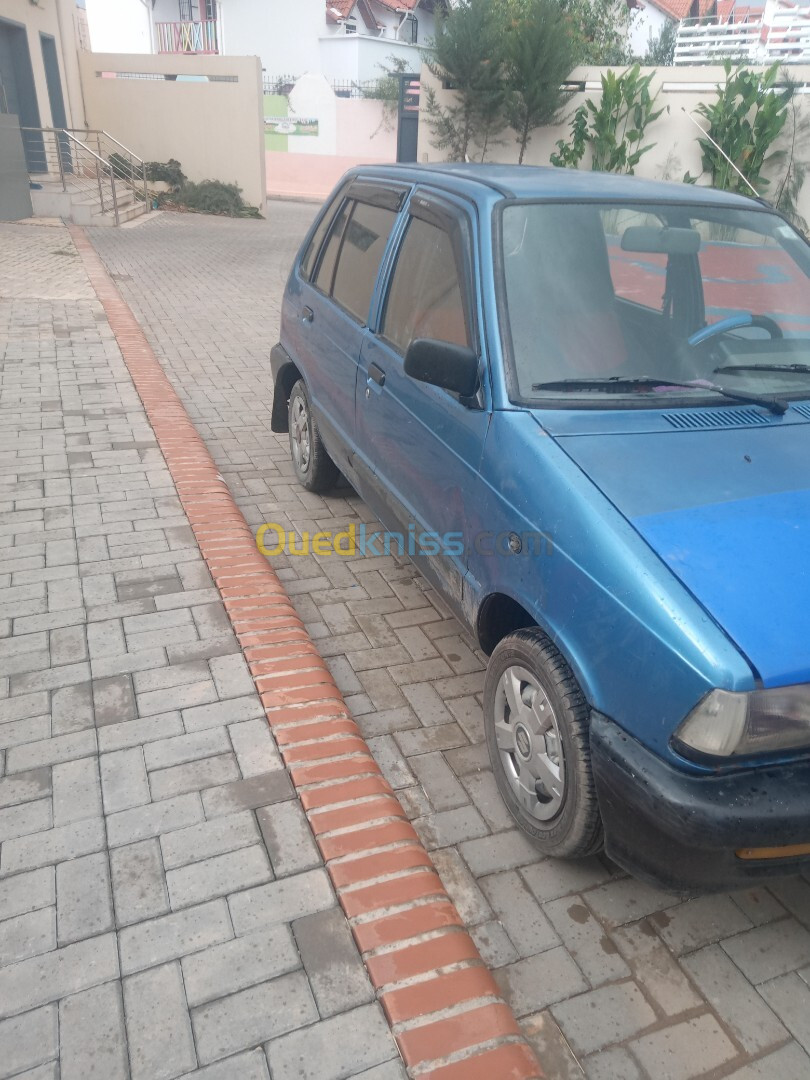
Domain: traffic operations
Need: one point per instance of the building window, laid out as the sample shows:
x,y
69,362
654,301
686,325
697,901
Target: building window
x,y
411,30
350,26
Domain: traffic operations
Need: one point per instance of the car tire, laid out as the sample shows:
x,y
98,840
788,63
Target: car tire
x,y
537,721
314,468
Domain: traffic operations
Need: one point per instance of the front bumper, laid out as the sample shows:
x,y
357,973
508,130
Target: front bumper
x,y
681,831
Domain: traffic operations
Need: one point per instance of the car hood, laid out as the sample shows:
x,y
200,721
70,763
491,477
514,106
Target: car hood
x,y
728,511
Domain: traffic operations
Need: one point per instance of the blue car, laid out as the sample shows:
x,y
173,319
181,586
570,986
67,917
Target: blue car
x,y
581,403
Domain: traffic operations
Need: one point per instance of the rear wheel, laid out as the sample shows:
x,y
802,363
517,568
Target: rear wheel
x,y
536,721
314,468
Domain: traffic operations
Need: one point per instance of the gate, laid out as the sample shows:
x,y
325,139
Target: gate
x,y
408,117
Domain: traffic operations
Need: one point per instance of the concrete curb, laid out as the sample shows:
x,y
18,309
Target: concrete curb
x,y
445,1010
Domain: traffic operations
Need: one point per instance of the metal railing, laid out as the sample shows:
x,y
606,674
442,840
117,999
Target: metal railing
x,y
349,88
198,37
95,165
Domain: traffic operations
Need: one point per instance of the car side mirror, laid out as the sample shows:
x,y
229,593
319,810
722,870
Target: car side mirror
x,y
452,367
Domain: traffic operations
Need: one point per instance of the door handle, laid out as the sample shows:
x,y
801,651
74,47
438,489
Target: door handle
x,y
377,374
308,315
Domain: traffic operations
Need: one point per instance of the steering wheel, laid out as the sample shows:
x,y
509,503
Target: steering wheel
x,y
735,322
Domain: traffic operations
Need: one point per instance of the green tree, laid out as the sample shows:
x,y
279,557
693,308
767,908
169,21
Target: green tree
x,y
602,29
661,47
745,122
467,58
539,53
615,128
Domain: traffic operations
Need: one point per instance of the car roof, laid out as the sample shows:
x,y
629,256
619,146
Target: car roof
x,y
545,182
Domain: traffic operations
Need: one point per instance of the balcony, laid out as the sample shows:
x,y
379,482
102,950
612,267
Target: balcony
x,y
190,38
780,32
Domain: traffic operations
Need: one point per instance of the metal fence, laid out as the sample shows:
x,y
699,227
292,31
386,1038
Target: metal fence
x,y
283,84
782,36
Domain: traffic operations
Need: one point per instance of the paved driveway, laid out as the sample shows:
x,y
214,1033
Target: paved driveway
x,y
609,977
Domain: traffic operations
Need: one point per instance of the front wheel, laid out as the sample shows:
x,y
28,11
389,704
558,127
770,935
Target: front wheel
x,y
536,720
314,468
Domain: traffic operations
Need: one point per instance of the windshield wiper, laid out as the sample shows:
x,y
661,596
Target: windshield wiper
x,y
802,369
618,382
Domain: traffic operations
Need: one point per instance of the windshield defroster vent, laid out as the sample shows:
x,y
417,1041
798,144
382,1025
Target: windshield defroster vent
x,y
716,418
802,410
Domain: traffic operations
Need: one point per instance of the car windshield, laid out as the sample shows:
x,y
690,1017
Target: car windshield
x,y
627,300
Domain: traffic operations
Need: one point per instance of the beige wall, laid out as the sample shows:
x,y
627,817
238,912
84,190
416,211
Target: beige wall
x,y
676,151
56,18
214,129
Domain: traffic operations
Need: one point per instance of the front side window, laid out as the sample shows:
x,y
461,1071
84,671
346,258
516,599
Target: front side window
x,y
426,297
599,298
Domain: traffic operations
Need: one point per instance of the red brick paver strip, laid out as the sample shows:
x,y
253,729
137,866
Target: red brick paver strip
x,y
445,1009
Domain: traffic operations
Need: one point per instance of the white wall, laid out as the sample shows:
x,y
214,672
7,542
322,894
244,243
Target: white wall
x,y
283,33
674,136
643,22
352,58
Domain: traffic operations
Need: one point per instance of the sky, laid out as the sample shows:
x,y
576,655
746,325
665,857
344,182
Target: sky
x,y
118,26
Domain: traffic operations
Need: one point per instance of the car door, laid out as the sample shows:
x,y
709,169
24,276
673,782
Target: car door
x,y
334,306
420,444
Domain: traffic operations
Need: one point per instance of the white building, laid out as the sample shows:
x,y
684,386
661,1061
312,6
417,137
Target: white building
x,y
345,40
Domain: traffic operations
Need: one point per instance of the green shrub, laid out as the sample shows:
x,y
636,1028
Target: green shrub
x,y
214,197
166,172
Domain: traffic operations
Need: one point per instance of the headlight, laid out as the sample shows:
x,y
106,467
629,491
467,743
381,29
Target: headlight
x,y
726,724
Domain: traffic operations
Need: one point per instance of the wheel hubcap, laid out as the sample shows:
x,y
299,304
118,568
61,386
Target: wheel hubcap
x,y
299,434
528,737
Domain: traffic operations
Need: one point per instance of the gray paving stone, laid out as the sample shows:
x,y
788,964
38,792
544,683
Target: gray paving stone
x,y
585,938
93,1037
56,974
251,1065
684,1050
220,970
699,922
539,981
27,892
28,1040
113,700
210,838
19,732
51,751
83,898
789,997
233,711
185,748
136,732
171,936
335,1049
439,782
768,951
161,1045
76,791
123,780
251,1016
72,709
281,901
610,1014
254,747
611,1065
655,969
218,876
193,776
736,1002
336,973
138,882
626,900
519,913
53,846
27,935
551,1047
250,794
463,889
288,837
231,676
450,827
493,944
488,856
788,1063
27,818
141,822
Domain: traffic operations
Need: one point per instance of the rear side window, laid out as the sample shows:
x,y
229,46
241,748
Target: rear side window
x,y
425,299
325,273
364,241
314,246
